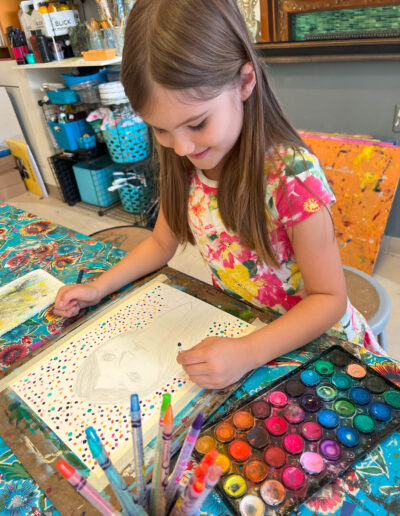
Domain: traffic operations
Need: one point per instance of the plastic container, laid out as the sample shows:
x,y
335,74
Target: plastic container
x,y
88,91
135,199
67,135
87,141
93,178
63,96
72,80
128,144
99,54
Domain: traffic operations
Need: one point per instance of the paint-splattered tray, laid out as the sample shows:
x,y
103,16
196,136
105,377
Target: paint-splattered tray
x,y
291,439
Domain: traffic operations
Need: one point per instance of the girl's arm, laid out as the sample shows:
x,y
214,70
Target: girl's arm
x,y
148,256
217,362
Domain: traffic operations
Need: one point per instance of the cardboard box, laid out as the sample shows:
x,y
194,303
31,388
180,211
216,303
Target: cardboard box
x,y
10,177
51,24
12,191
7,162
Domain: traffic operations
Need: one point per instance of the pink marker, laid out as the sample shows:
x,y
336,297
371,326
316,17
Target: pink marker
x,y
87,491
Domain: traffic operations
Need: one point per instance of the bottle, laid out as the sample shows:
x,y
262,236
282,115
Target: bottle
x,y
43,47
22,39
43,8
35,50
16,46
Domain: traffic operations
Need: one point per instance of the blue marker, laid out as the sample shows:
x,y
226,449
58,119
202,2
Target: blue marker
x,y
116,481
138,456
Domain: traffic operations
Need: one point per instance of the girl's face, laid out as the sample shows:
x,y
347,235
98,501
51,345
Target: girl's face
x,y
202,130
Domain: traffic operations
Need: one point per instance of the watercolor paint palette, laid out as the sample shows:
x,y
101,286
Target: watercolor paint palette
x,y
291,439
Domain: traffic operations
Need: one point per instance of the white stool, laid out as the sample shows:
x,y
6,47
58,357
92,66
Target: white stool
x,y
371,299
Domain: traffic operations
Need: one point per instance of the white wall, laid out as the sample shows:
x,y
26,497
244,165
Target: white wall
x,y
9,126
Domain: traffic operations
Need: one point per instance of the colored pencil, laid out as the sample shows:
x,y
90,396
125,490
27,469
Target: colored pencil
x,y
183,459
80,276
168,427
212,477
138,455
117,483
85,489
155,481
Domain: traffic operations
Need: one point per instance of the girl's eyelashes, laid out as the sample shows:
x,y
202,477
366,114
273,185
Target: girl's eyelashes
x,y
198,126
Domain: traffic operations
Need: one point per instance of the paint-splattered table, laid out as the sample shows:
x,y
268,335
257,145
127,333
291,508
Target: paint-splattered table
x,y
28,242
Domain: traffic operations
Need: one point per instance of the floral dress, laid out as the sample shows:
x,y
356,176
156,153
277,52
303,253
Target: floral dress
x,y
296,188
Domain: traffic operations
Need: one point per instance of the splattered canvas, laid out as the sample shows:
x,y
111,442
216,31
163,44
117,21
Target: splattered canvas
x,y
88,379
363,175
25,297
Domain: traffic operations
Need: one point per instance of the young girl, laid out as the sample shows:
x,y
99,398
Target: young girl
x,y
236,180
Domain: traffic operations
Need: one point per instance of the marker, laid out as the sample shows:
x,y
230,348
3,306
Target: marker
x,y
184,504
80,276
157,455
165,460
183,459
138,455
85,489
117,483
212,477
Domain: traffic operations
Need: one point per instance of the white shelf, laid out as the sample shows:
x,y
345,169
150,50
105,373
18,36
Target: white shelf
x,y
69,63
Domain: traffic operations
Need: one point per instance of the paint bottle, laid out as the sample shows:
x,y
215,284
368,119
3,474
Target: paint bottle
x,y
43,8
16,45
43,47
35,50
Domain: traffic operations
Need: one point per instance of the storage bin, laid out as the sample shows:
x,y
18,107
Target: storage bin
x,y
101,54
87,142
88,91
71,80
64,174
93,178
128,144
67,135
135,199
63,96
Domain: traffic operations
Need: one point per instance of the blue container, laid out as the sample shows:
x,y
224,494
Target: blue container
x,y
63,96
93,178
72,80
87,142
128,144
67,135
135,199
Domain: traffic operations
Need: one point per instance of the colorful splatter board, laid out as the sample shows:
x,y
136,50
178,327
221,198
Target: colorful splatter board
x,y
301,433
24,297
363,176
130,348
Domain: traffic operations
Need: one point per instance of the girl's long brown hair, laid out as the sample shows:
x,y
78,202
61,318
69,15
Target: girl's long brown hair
x,y
202,45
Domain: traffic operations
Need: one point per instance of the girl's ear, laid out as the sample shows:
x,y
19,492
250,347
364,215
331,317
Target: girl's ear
x,y
247,80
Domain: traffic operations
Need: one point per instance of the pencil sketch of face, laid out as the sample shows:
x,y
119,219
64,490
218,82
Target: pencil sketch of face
x,y
138,361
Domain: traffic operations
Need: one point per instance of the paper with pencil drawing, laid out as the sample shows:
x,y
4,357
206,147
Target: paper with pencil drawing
x,y
26,296
130,348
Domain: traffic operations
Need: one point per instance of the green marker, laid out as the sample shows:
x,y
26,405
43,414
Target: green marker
x,y
156,477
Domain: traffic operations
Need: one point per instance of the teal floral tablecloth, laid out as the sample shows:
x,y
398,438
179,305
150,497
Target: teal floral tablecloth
x,y
28,242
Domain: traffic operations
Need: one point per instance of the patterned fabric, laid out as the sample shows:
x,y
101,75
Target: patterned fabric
x,y
296,187
28,242
19,493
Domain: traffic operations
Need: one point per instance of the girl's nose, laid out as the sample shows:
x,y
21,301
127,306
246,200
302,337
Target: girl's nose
x,y
183,146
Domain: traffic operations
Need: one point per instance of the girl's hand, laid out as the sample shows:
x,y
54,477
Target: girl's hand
x,y
71,298
216,362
